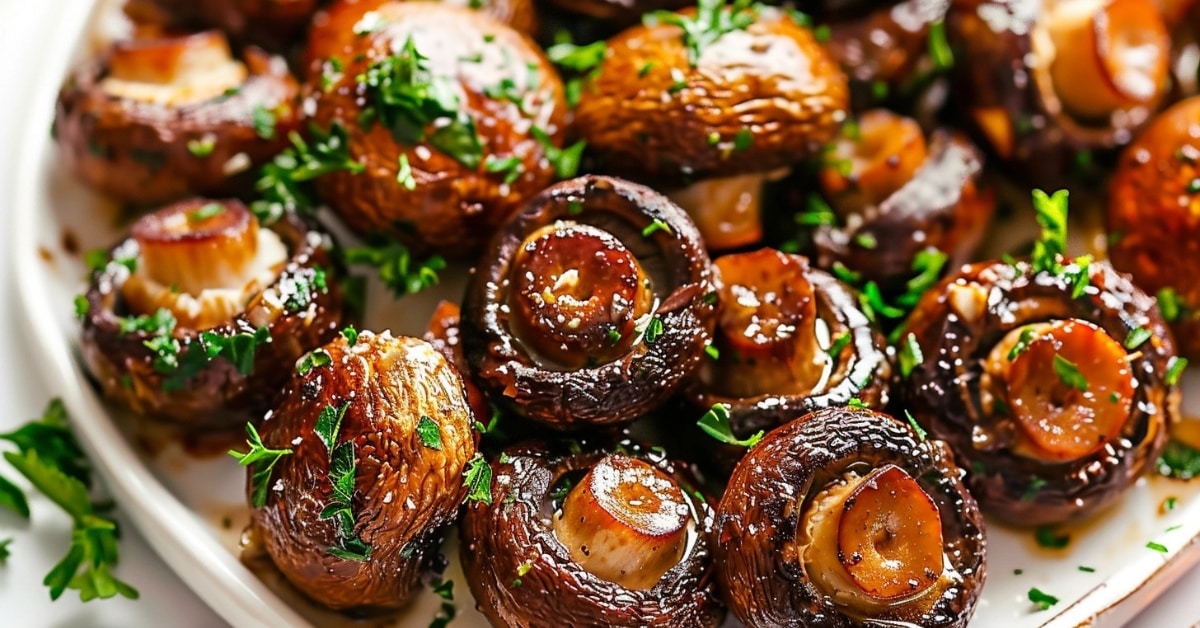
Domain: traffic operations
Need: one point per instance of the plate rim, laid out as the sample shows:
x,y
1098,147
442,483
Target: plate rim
x,y
174,531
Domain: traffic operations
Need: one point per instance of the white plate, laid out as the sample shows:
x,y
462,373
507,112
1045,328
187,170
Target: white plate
x,y
191,511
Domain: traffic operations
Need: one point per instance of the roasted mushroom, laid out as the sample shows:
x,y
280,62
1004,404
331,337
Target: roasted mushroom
x,y
616,12
443,334
894,198
1051,384
364,467
273,24
589,539
591,306
455,116
1044,79
723,96
846,517
152,121
198,318
789,340
1154,217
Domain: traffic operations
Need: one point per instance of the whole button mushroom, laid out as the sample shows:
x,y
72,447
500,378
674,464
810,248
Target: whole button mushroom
x,y
151,121
592,305
359,467
1044,79
455,117
846,517
711,96
199,316
590,538
1154,217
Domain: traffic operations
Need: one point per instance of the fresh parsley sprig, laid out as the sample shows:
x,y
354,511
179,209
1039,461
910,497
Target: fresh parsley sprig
x,y
712,21
396,266
478,480
343,472
262,460
715,423
285,184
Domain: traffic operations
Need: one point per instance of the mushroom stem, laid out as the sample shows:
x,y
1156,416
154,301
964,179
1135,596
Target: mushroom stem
x,y
577,295
767,325
866,165
1108,55
625,522
1070,388
173,70
726,210
873,541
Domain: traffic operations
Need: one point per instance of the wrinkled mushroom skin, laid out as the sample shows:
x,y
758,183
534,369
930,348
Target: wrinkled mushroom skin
x,y
218,396
443,333
636,375
1093,94
273,24
404,490
767,563
512,539
942,199
149,153
650,115
454,206
1154,214
968,323
860,369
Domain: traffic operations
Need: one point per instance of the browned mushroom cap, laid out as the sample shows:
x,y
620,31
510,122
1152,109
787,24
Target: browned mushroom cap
x,y
200,317
885,43
844,517
273,24
379,437
443,333
154,121
591,306
665,108
589,539
1057,404
894,198
454,115
790,339
1043,79
1154,198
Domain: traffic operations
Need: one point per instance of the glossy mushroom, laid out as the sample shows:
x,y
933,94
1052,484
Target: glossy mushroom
x,y
453,115
379,437
894,196
591,305
1154,217
198,318
723,109
1043,79
1053,391
273,24
789,339
846,517
590,538
151,121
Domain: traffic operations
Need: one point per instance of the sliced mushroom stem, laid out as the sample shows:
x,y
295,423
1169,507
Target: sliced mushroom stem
x,y
727,209
768,324
866,165
578,294
1107,55
874,541
173,70
1070,389
625,522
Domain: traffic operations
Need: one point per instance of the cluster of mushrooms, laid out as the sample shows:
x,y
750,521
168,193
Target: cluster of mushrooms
x,y
727,345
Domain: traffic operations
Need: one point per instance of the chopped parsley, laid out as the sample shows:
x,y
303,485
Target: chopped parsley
x,y
1170,304
565,161
840,342
1052,217
350,334
613,336
1137,338
910,355
1086,569
206,211
429,432
712,351
511,167
82,306
1179,461
743,139
316,357
261,459
4,554
444,590
396,267
202,147
264,122
285,183
1175,368
712,21
939,48
715,423
478,480
578,58
817,213
653,330
343,470
238,349
404,174
1041,600
1158,547
406,97
657,225
1069,373
1049,539
1022,344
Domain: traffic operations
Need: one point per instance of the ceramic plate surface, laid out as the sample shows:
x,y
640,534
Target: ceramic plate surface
x,y
192,511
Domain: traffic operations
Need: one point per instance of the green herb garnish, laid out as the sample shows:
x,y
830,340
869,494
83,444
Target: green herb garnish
x,y
202,147
404,173
1069,373
511,167
656,225
1158,547
910,355
264,122
1175,368
1041,599
715,423
1048,538
1136,338
564,160
263,460
429,432
396,266
653,330
712,20
1052,216
285,183
316,357
478,480
912,422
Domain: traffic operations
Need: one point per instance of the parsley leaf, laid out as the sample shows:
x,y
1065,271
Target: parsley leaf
x,y
652,331
50,436
239,349
1069,373
912,422
4,550
396,266
286,183
910,355
202,147
13,498
478,480
264,122
316,357
1052,216
578,58
564,160
1175,368
1170,304
1179,460
404,176
715,423
329,423
1048,538
350,334
712,21
299,288
1137,338
1041,599
430,433
939,48
1158,547
1022,345
656,225
262,461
